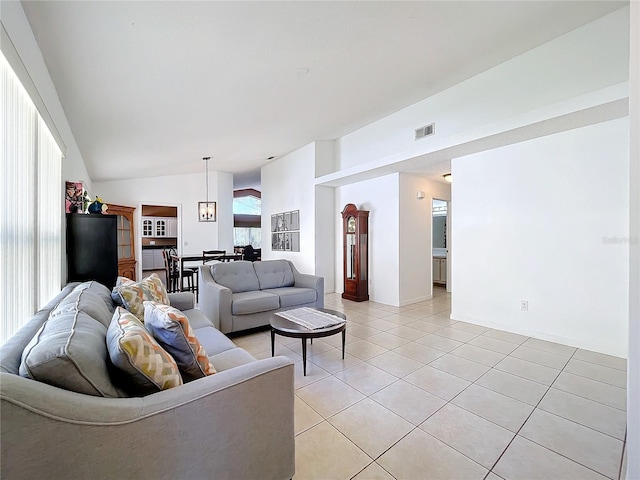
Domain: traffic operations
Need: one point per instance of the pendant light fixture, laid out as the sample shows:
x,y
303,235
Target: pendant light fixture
x,y
206,210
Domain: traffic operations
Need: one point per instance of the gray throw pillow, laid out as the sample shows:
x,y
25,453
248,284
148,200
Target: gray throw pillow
x,y
171,328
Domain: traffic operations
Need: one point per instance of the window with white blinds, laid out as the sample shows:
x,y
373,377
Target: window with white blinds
x,y
30,207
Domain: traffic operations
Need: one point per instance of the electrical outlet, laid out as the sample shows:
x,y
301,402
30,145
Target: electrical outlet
x,y
524,305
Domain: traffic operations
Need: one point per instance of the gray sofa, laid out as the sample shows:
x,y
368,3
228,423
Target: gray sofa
x,y
242,295
235,424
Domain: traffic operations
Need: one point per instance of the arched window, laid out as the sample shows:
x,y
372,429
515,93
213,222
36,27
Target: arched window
x,y
247,210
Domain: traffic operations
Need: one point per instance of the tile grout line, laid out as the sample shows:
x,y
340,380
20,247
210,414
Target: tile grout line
x,y
543,446
523,424
491,367
595,380
624,447
374,460
447,402
444,352
368,396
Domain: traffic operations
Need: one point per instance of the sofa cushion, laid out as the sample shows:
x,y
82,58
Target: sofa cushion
x,y
69,351
292,296
171,328
274,274
231,358
145,365
213,340
100,290
253,302
11,350
131,295
196,318
87,301
236,276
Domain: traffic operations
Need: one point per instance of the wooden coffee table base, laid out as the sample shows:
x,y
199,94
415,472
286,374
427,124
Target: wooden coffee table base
x,y
286,328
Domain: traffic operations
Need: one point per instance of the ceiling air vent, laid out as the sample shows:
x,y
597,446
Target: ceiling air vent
x,y
425,131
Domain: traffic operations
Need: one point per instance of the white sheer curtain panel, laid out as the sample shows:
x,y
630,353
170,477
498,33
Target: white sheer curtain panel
x,y
49,208
30,207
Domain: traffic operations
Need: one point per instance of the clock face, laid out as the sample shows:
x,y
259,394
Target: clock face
x,y
351,225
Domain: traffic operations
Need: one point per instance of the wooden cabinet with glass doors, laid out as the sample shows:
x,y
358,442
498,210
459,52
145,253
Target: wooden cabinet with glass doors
x,y
126,250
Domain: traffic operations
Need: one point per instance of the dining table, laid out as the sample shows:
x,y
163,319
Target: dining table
x,y
181,259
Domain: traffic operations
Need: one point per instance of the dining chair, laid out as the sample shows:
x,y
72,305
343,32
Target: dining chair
x,y
250,253
172,271
209,255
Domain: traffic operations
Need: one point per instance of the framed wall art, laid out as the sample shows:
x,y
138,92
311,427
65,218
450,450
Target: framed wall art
x,y
74,194
285,231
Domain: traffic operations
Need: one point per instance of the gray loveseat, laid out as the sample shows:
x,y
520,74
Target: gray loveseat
x,y
235,424
242,295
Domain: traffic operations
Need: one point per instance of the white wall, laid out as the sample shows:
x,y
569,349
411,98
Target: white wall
x,y
288,184
326,212
224,197
326,156
588,59
325,255
186,191
380,197
537,221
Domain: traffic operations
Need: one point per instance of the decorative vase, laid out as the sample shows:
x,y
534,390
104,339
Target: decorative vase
x,y
95,207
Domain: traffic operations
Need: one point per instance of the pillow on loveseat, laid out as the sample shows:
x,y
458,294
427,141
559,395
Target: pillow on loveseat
x,y
131,295
171,328
145,365
236,276
274,274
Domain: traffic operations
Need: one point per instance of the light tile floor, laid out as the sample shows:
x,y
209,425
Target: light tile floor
x,y
420,396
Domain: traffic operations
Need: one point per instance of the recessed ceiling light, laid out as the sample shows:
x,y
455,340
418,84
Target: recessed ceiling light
x,y
302,71
270,158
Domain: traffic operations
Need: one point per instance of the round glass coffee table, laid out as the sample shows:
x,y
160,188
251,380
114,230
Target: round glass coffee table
x,y
286,328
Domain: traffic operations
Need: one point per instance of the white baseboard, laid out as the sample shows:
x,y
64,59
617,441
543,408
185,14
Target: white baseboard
x,y
410,301
600,347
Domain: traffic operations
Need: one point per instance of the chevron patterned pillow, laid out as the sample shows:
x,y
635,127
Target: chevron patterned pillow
x,y
145,365
131,295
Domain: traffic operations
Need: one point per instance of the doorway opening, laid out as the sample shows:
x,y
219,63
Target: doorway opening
x,y
440,248
159,229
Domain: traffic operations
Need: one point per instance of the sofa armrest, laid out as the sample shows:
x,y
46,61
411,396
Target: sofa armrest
x,y
305,280
214,300
235,424
182,300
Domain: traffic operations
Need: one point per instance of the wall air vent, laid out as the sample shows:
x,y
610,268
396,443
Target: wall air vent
x,y
425,131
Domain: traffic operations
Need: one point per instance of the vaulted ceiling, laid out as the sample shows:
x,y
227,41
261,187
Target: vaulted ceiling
x,y
149,88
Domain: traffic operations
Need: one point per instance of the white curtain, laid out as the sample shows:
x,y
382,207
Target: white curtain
x,y
30,207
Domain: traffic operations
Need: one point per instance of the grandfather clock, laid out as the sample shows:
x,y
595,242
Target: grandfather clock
x,y
355,224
